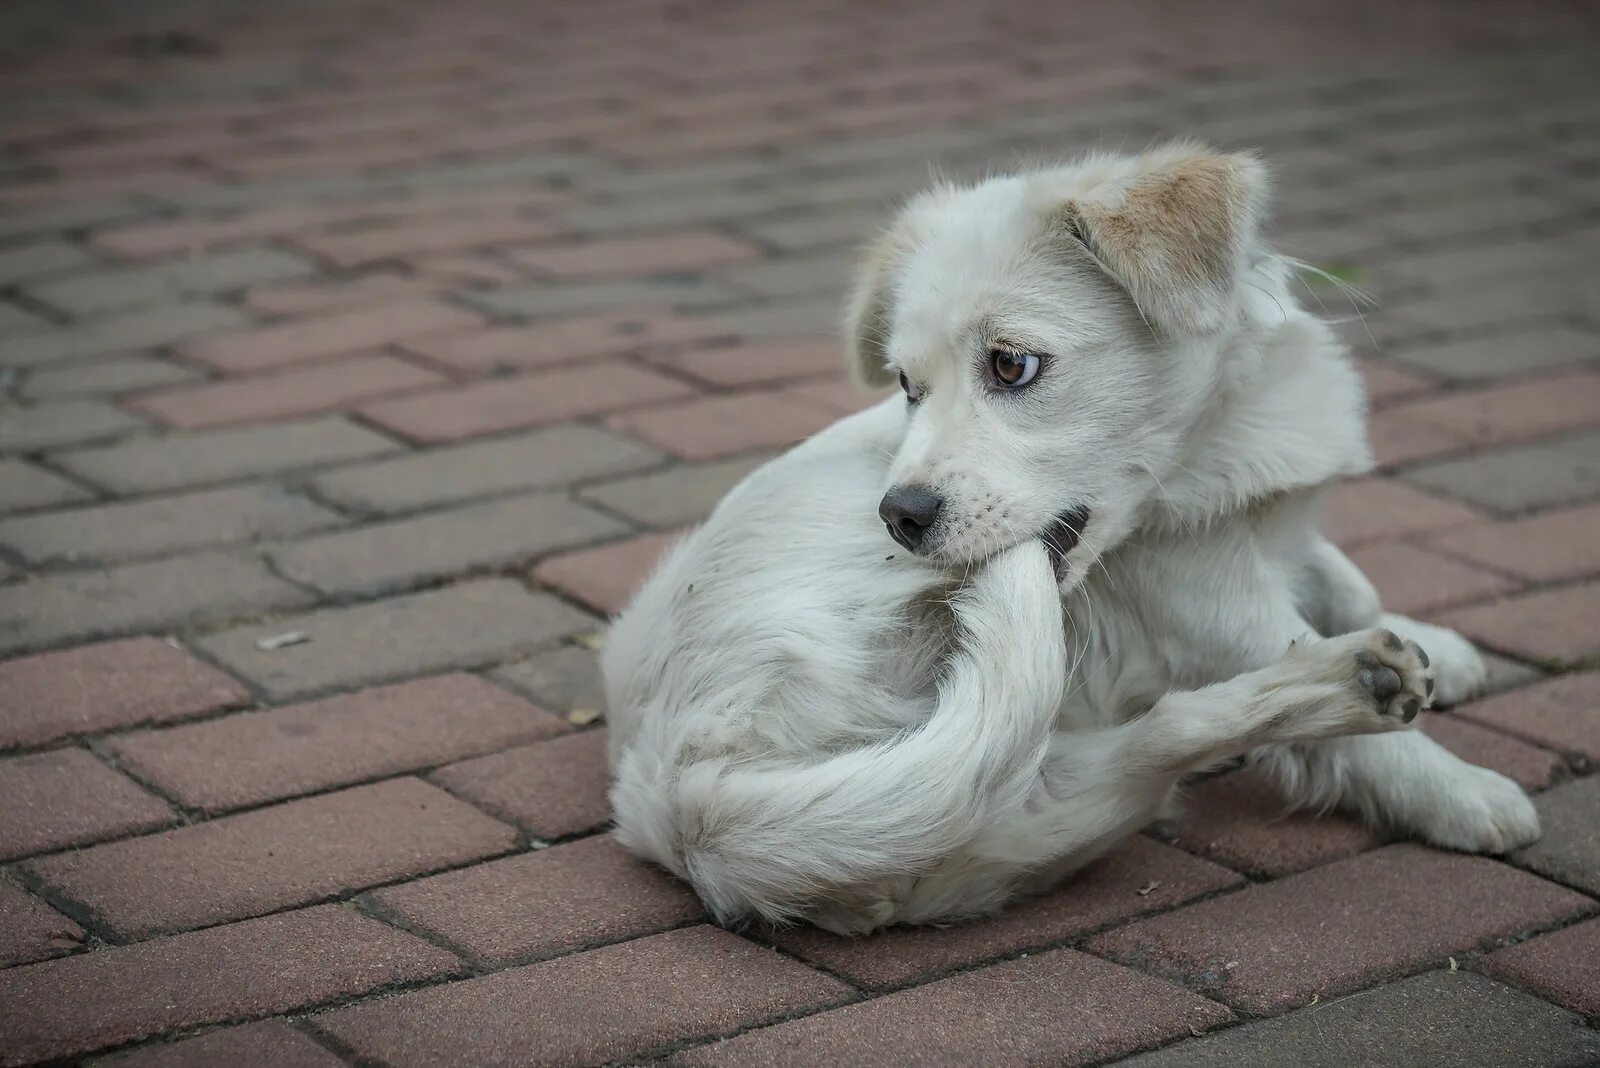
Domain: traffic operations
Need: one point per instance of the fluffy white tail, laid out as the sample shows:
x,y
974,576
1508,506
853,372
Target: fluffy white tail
x,y
777,840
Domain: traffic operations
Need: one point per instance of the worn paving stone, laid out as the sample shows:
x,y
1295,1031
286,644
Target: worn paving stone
x,y
1385,383
258,967
544,903
15,322
323,295
405,552
149,465
65,798
748,365
1550,547
811,318
561,679
1561,713
272,858
23,486
114,288
265,1044
30,930
1138,877
402,239
1355,922
162,525
676,496
1379,509
1397,439
334,334
1239,820
670,292
180,592
594,1007
1414,581
67,422
46,221
606,577
713,427
550,789
255,757
633,256
1520,479
465,625
522,402
1441,1018
148,327
1569,850
332,385
1529,766
1547,345
1560,624
1517,411
537,460
18,263
99,687
567,340
105,377
1562,966
1060,1007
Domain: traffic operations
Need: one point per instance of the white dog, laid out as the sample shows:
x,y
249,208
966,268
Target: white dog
x,y
1101,574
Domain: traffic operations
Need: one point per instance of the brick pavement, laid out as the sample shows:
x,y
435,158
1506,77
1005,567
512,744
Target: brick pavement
x,y
356,357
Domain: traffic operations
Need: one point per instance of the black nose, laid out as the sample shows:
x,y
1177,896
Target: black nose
x,y
909,511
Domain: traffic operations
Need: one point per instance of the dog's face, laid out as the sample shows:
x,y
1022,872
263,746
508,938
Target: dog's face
x,y
1050,332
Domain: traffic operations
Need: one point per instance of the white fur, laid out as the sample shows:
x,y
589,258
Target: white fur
x,y
810,722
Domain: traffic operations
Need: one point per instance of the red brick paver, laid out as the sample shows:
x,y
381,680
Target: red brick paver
x,y
330,335
257,757
331,386
1354,922
266,1044
1138,877
550,789
591,1008
605,578
254,968
1561,714
544,903
518,403
272,858
31,930
65,798
1057,1008
114,684
1563,966
355,366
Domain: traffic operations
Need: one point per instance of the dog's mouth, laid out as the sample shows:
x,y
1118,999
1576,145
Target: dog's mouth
x,y
1062,536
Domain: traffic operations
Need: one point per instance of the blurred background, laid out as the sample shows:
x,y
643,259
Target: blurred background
x,y
358,356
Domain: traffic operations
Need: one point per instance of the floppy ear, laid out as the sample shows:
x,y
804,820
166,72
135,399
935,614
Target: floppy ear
x,y
866,322
1175,232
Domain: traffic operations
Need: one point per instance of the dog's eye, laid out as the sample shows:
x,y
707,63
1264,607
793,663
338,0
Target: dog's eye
x,y
1012,370
911,392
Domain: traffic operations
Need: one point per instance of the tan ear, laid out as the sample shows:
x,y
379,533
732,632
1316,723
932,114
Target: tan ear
x,y
1175,232
866,321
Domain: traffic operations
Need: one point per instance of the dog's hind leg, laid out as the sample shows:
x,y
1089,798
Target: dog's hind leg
x,y
1408,783
1337,598
1098,786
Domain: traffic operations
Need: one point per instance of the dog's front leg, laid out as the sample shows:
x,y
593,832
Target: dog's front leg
x,y
1101,785
1408,783
1336,598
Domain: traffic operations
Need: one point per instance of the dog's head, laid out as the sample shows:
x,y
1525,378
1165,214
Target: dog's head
x,y
1055,333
